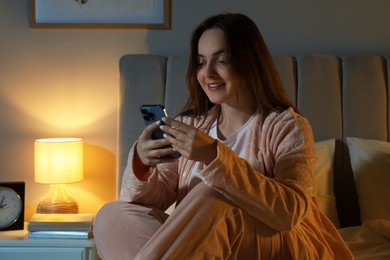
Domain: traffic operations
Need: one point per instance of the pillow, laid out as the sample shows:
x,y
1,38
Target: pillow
x,y
323,180
370,160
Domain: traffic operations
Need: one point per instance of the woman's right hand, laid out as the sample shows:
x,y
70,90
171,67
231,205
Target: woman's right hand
x,y
150,151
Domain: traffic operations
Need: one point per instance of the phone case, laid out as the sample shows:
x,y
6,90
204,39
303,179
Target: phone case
x,y
151,114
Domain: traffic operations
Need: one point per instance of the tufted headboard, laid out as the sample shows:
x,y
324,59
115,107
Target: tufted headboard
x,y
341,97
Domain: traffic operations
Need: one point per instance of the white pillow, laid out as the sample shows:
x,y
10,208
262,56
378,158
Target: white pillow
x,y
370,160
323,180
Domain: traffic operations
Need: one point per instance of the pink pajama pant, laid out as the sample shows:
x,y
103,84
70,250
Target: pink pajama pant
x,y
205,225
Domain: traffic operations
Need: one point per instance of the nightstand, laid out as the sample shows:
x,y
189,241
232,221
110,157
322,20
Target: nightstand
x,y
15,245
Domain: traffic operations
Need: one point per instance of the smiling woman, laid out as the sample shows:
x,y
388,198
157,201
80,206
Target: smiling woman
x,y
245,177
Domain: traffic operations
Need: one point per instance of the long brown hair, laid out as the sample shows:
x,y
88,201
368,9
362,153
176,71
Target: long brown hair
x,y
249,59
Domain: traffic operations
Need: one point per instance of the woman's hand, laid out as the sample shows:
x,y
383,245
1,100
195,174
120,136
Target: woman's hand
x,y
150,151
189,141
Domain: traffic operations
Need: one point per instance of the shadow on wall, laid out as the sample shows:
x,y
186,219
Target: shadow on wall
x,y
99,171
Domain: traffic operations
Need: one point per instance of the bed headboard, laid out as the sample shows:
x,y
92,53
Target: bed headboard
x,y
341,97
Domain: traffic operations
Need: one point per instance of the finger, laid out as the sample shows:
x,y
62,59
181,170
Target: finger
x,y
175,143
149,149
148,130
158,160
175,146
171,132
162,155
175,123
160,145
153,157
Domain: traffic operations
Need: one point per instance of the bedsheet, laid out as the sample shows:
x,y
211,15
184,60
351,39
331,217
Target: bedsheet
x,y
371,240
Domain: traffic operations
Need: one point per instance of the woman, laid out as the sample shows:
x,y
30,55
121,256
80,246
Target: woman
x,y
243,184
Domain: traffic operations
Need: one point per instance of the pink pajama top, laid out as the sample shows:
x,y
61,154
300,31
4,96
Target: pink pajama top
x,y
273,183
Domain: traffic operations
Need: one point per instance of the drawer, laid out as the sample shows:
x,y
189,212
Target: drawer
x,y
43,253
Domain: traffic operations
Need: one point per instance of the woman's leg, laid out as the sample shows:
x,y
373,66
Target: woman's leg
x,y
121,229
205,225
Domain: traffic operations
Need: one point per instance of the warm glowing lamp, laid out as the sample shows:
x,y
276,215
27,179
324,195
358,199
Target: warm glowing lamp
x,y
58,161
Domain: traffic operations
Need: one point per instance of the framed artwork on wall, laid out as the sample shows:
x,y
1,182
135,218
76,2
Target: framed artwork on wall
x,y
100,14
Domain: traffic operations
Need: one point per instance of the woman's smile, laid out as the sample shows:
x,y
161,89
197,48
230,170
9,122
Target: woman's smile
x,y
215,86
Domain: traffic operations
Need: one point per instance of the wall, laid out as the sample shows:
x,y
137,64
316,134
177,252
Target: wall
x,y
56,83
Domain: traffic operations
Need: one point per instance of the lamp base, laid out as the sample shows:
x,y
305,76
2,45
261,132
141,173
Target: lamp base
x,y
58,201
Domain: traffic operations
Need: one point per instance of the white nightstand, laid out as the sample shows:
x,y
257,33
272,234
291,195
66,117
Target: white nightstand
x,y
15,245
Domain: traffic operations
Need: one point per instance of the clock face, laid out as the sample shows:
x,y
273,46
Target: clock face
x,y
10,206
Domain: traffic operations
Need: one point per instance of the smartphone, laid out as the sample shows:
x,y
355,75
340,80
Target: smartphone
x,y
151,114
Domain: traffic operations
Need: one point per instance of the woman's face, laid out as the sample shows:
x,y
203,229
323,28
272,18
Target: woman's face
x,y
214,71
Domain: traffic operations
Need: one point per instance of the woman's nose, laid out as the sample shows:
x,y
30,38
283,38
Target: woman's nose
x,y
209,70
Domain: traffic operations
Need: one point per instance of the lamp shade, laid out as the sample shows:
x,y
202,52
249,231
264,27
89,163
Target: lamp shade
x,y
58,160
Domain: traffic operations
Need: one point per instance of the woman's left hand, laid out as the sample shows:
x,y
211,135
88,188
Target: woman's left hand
x,y
189,141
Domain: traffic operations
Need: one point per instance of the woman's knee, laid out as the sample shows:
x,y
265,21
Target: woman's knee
x,y
122,228
105,217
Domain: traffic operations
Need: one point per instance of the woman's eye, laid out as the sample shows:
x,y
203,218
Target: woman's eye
x,y
201,62
221,60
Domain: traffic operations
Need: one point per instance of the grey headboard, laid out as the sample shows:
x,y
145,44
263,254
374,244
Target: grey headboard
x,y
341,96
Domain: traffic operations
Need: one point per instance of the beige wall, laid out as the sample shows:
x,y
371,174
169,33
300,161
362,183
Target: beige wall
x,y
56,83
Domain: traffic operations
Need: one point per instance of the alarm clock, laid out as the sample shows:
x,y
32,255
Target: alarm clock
x,y
12,205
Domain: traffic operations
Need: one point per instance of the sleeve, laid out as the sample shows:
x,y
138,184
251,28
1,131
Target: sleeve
x,y
286,150
159,191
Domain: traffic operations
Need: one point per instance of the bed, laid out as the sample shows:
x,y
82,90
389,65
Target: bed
x,y
345,99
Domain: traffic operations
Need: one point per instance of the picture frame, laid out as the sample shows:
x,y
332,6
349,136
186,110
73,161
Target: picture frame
x,y
100,14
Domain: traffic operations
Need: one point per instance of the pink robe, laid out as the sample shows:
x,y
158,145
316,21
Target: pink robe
x,y
260,207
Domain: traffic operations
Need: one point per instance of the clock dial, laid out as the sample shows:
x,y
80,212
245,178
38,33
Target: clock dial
x,y
10,206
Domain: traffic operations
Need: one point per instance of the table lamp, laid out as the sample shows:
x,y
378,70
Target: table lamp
x,y
58,161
